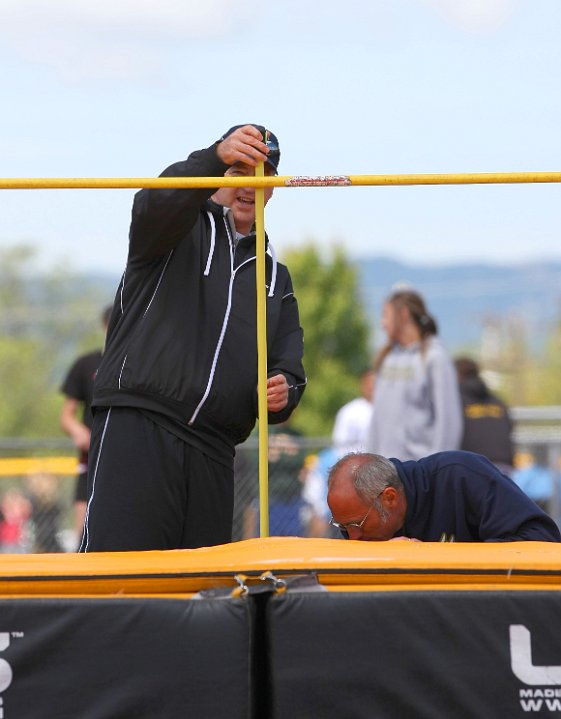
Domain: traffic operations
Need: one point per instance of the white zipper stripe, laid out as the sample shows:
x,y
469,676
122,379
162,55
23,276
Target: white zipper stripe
x,y
122,291
273,254
159,283
222,332
148,307
245,262
86,535
212,242
122,368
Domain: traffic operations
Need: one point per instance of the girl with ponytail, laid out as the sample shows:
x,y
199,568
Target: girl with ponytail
x,y
418,408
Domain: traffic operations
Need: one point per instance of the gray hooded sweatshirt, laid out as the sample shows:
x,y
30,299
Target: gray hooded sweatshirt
x,y
418,410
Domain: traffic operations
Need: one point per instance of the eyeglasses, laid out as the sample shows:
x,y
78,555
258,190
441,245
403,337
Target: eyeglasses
x,y
344,526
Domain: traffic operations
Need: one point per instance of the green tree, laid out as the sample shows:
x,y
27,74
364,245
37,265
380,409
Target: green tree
x,y
336,334
543,376
30,402
46,319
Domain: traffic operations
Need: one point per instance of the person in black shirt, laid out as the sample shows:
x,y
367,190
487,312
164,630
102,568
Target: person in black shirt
x,y
76,418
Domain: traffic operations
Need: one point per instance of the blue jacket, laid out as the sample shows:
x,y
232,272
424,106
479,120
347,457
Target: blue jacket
x,y
462,497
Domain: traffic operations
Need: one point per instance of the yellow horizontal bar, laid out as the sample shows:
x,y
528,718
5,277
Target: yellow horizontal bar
x,y
465,178
23,466
473,178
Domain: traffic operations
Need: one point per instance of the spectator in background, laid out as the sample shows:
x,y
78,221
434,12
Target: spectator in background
x,y
350,434
46,512
418,407
76,418
487,422
350,431
245,480
286,476
534,477
317,468
15,510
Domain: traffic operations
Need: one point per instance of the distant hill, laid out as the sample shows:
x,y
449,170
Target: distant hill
x,y
465,299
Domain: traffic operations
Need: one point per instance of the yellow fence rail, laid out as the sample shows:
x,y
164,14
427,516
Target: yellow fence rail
x,y
23,466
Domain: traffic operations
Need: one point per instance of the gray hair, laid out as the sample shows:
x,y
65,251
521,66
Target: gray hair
x,y
370,474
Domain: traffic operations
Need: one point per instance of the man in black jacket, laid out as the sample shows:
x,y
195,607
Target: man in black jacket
x,y
176,390
445,497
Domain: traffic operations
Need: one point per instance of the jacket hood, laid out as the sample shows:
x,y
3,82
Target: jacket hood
x,y
474,388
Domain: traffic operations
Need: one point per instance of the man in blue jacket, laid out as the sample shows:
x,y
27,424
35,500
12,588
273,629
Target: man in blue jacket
x,y
176,390
445,497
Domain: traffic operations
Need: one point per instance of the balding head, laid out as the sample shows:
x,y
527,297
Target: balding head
x,y
366,485
367,473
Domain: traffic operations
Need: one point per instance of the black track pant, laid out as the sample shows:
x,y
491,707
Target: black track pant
x,y
150,490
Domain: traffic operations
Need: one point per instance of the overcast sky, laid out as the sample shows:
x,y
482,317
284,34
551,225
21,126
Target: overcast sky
x,y
122,88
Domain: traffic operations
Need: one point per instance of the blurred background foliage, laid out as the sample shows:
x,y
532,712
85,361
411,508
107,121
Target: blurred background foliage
x,y
48,317
337,335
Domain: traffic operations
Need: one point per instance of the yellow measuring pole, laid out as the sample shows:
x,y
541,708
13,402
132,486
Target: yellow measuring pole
x,y
261,353
470,178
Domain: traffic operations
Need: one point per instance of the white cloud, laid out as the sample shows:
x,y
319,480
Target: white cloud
x,y
117,38
475,15
187,18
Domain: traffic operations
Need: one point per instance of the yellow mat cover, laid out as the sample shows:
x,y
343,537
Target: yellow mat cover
x,y
339,566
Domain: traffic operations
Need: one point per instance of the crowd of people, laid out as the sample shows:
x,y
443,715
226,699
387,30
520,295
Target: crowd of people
x,y
31,516
175,394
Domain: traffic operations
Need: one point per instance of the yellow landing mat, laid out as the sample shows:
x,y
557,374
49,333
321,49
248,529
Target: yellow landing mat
x,y
339,565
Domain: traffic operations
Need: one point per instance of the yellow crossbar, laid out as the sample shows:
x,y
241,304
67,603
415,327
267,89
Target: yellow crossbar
x,y
470,178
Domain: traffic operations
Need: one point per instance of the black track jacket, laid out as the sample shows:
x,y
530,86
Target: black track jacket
x,y
182,337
